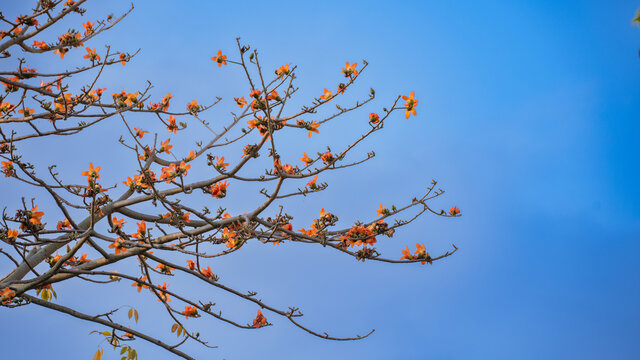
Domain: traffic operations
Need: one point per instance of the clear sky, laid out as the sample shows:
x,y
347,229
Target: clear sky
x,y
527,117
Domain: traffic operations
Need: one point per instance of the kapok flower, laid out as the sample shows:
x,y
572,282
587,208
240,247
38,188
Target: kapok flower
x,y
140,133
220,59
193,107
92,174
359,235
327,158
92,55
220,164
35,216
163,296
6,295
12,235
283,70
382,210
219,189
241,102
421,253
406,254
191,156
410,105
7,168
313,128
190,311
312,183
191,264
140,284
374,118
350,69
207,272
255,93
165,269
454,211
88,27
172,127
142,230
64,224
27,111
61,51
117,224
260,320
306,159
118,246
123,59
165,147
327,94
40,44
273,95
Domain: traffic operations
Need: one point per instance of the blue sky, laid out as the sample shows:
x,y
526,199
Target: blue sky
x,y
527,117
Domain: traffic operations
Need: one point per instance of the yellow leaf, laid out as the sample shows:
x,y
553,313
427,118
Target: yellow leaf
x,y
174,327
98,355
106,333
135,313
130,313
179,330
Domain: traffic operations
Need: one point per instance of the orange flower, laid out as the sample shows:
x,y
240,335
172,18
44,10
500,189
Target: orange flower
x,y
142,230
118,246
92,55
241,102
327,158
140,133
219,189
283,70
327,94
117,224
382,210
193,107
349,70
172,127
273,95
407,254
191,156
40,44
163,295
35,216
220,59
91,174
220,164
64,224
191,264
165,269
190,311
410,105
88,27
255,93
7,168
6,295
12,234
454,211
141,283
420,249
313,128
207,272
123,58
306,159
260,320
165,147
26,111
61,51
374,118
312,183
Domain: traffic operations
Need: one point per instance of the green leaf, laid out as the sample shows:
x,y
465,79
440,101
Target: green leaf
x,y
637,18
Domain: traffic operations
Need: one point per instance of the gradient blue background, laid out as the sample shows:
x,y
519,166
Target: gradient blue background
x,y
528,117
